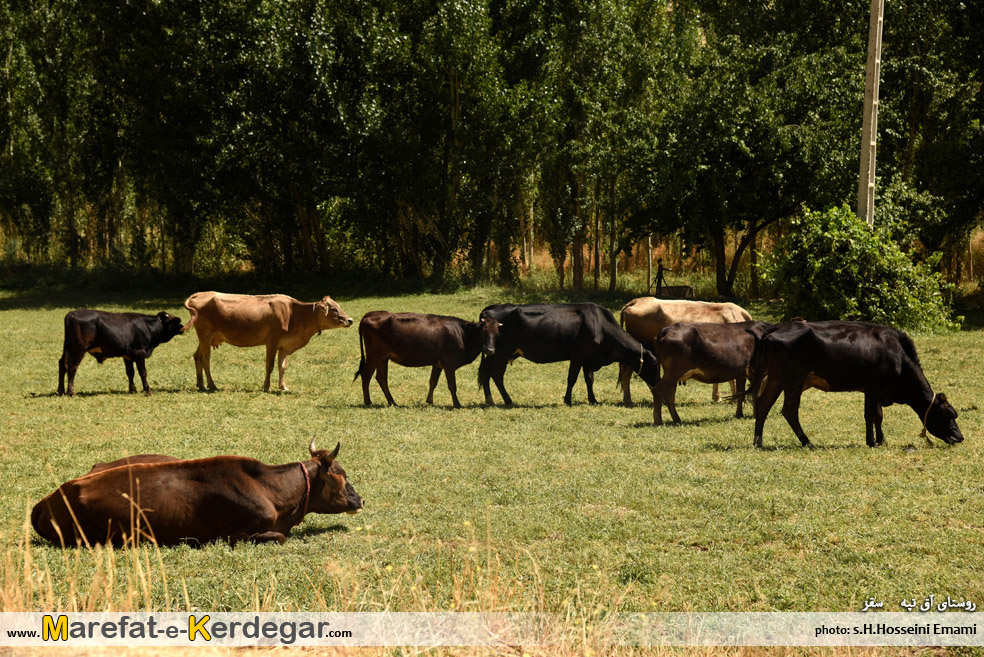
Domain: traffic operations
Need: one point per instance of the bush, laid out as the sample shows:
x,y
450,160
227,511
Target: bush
x,y
833,266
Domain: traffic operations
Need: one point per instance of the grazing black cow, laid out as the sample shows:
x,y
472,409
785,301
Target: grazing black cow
x,y
418,340
130,336
707,352
836,356
585,334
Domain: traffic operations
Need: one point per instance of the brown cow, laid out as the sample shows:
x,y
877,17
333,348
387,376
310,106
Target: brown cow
x,y
706,352
282,323
419,340
230,498
131,460
645,317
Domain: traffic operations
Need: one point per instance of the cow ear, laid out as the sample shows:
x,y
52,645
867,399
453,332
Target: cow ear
x,y
942,398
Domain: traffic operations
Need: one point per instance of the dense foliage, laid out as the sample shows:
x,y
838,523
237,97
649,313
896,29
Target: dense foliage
x,y
833,266
430,137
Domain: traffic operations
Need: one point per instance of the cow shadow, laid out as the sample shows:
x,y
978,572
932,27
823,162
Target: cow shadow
x,y
314,530
688,423
101,393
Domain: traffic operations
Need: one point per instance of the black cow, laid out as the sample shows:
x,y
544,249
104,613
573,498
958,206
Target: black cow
x,y
706,352
585,334
130,336
836,356
419,340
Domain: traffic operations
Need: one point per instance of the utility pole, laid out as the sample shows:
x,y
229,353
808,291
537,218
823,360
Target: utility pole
x,y
869,129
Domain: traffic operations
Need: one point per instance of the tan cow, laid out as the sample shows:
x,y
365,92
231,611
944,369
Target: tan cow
x,y
645,317
279,322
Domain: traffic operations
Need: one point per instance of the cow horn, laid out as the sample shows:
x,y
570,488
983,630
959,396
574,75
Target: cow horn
x,y
334,454
311,447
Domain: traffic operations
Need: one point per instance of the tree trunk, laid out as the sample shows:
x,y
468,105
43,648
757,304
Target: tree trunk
x,y
521,209
753,265
612,245
73,235
597,239
720,262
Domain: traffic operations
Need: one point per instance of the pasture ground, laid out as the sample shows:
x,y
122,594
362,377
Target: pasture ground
x,y
539,507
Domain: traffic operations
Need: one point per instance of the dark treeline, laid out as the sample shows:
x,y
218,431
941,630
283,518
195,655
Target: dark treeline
x,y
429,138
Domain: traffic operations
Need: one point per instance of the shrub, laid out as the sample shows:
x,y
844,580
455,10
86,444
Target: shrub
x,y
833,266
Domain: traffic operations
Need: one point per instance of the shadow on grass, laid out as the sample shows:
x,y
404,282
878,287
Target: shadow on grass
x,y
314,530
102,393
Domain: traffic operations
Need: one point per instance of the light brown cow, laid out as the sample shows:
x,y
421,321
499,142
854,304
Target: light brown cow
x,y
643,318
279,322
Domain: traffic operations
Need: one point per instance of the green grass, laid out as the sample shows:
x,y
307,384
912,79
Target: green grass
x,y
548,506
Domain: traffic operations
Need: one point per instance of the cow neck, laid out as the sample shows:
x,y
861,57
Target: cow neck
x,y
314,316
302,507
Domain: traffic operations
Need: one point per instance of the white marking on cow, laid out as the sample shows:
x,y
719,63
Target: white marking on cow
x,y
519,352
95,350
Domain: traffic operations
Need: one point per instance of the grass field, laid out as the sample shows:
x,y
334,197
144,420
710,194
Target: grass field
x,y
535,507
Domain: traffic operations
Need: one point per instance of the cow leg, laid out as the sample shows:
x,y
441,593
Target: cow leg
x,y
659,394
764,402
71,364
873,435
740,381
129,374
203,362
61,375
282,368
142,369
715,393
498,372
366,372
572,373
625,376
382,376
589,384
790,411
435,377
199,366
452,386
671,402
484,376
271,357
262,537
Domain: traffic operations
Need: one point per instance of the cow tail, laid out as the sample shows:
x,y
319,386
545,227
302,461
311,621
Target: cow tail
x,y
758,373
192,311
362,352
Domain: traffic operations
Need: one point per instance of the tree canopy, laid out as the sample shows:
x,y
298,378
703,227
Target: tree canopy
x,y
427,138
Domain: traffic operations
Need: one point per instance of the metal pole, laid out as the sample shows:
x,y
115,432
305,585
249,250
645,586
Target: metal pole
x,y
869,129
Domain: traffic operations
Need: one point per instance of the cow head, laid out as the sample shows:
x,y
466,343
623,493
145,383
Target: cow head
x,y
490,332
330,490
941,420
329,315
172,325
648,367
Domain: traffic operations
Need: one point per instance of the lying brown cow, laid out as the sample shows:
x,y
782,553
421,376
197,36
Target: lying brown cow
x,y
418,340
167,501
709,353
282,323
645,317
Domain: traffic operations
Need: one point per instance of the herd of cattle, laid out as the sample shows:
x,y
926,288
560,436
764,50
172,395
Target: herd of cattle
x,y
665,342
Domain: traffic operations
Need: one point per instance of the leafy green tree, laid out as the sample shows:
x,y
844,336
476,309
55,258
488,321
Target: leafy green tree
x,y
831,265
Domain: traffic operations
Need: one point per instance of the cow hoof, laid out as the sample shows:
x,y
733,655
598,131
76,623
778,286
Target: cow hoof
x,y
148,392
628,404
